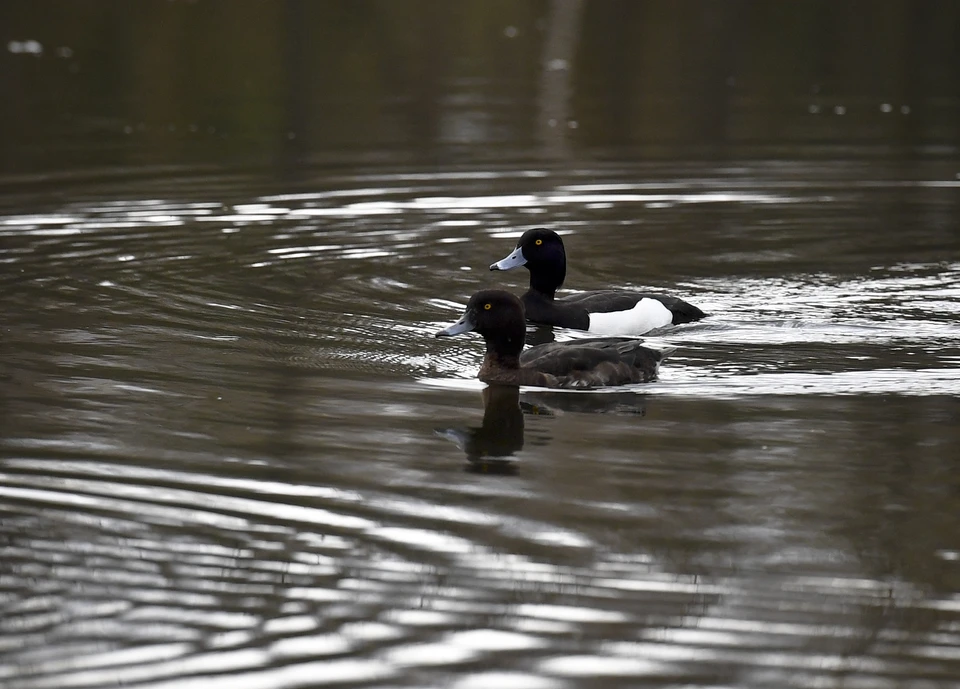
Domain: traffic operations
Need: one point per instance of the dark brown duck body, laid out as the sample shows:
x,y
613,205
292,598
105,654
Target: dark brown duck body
x,y
499,317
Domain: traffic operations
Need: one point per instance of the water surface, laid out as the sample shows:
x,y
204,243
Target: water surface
x,y
233,452
233,455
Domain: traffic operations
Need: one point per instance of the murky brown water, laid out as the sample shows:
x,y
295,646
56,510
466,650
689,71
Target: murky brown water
x,y
232,454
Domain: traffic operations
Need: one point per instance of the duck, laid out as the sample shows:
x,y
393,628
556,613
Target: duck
x,y
603,312
499,317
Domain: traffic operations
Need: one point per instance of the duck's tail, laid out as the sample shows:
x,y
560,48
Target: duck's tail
x,y
666,351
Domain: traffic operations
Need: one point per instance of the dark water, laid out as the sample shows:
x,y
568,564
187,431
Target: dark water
x,y
232,453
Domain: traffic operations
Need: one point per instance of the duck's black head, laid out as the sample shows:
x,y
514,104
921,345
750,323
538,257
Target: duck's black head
x,y
541,251
498,316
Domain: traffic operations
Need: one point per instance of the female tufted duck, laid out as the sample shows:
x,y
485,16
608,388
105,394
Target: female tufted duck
x,y
593,362
605,312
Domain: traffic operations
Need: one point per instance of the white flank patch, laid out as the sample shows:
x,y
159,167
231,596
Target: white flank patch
x,y
646,315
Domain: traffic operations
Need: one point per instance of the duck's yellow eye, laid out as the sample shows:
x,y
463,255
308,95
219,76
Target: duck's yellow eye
x,y
538,242
486,307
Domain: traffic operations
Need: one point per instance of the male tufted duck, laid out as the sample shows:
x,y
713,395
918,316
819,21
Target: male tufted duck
x,y
588,363
605,312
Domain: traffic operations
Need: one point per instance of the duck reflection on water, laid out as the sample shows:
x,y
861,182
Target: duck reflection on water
x,y
491,447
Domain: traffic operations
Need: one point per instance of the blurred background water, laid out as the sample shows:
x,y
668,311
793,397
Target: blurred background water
x,y
232,454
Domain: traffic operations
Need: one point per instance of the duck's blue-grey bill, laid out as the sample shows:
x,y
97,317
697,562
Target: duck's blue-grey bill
x,y
514,260
464,325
